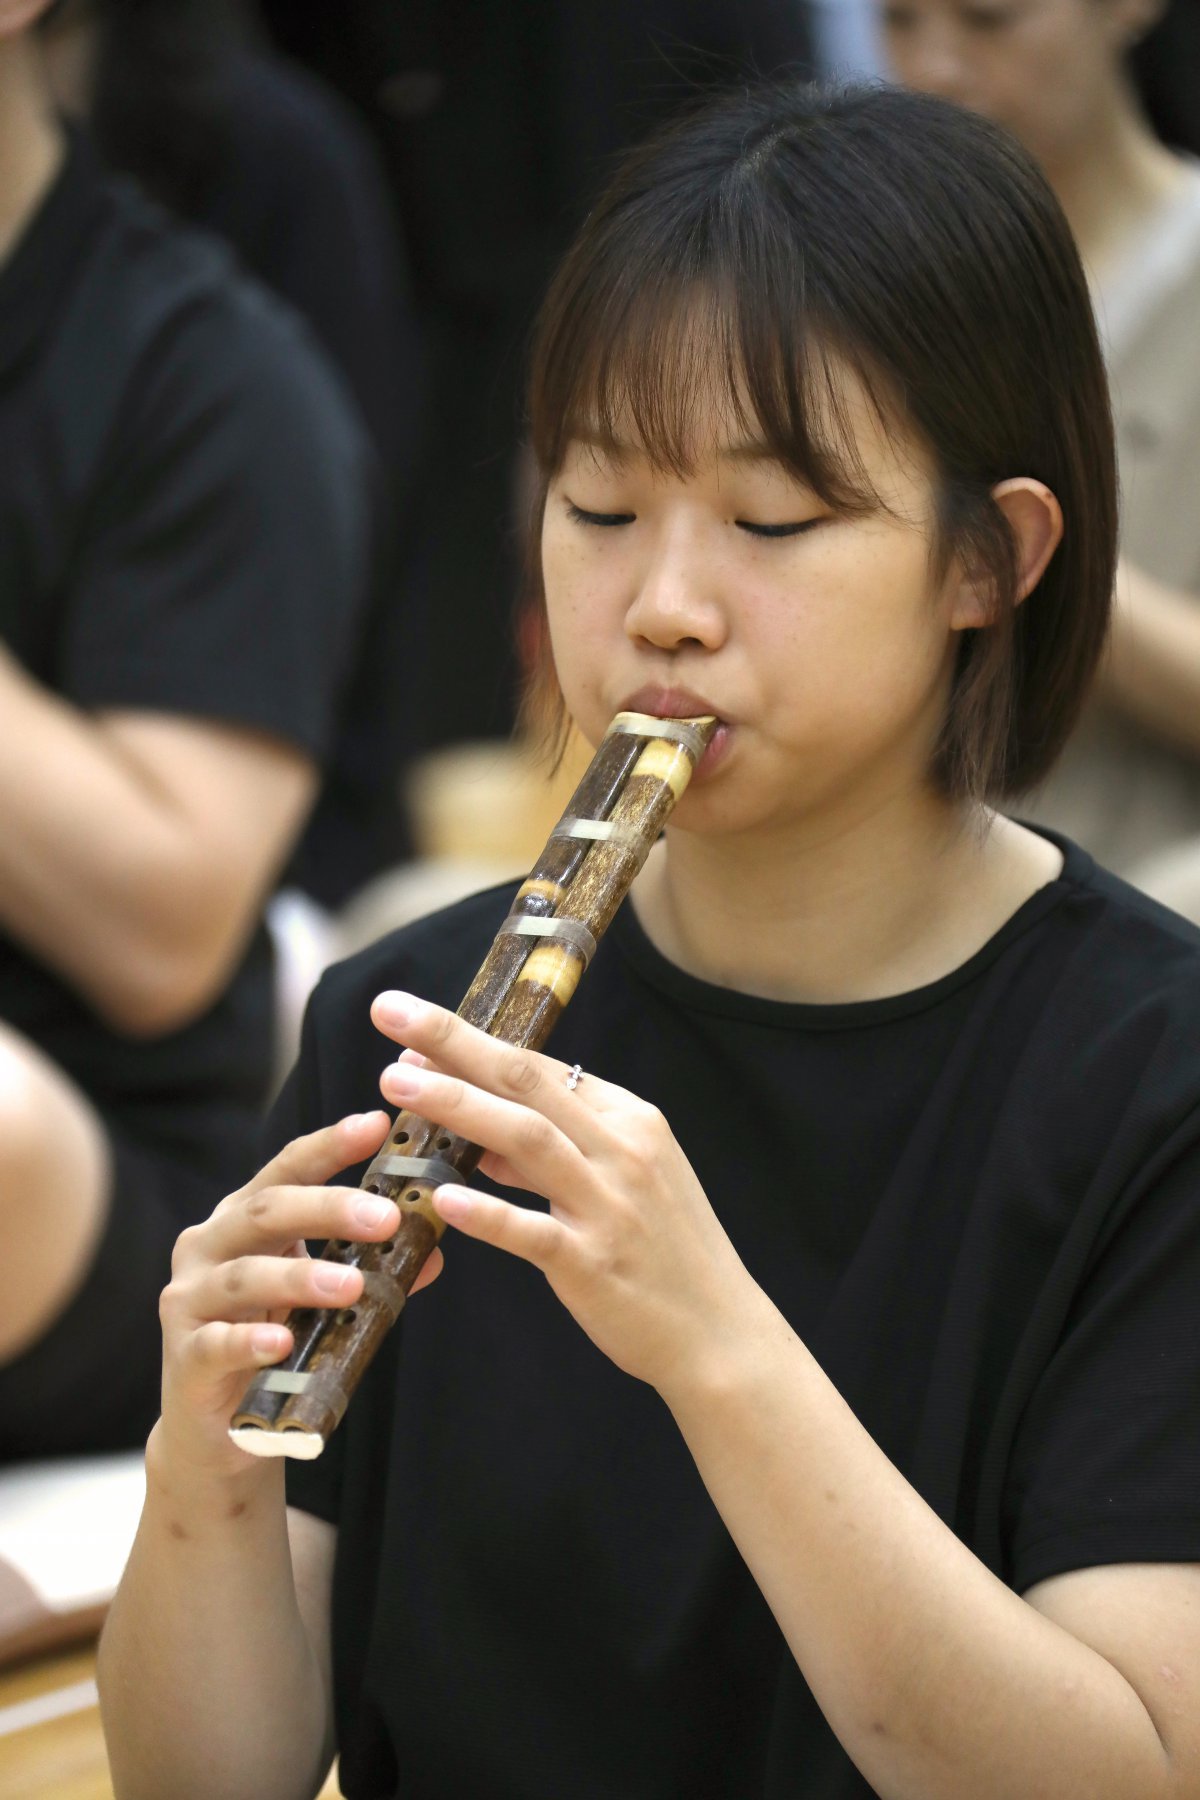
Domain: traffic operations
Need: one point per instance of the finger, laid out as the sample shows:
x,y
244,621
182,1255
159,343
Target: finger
x,y
431,1268
250,1287
536,1237
275,1219
448,1043
220,1350
313,1159
543,1156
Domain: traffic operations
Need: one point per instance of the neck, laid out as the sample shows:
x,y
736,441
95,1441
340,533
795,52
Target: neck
x,y
859,911
31,140
1115,178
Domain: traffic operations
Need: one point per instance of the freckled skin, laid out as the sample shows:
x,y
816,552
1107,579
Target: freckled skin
x,y
830,651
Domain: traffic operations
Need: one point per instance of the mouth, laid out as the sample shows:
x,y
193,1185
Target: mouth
x,y
670,703
683,703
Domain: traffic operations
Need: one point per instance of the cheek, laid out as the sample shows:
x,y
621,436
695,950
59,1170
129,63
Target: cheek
x,y
868,642
578,609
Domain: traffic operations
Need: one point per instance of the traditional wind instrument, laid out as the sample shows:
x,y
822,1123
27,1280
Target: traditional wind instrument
x,y
560,912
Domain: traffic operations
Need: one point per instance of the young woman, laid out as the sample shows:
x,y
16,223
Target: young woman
x,y
1056,73
812,1413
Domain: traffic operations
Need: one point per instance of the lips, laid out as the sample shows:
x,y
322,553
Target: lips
x,y
685,703
670,703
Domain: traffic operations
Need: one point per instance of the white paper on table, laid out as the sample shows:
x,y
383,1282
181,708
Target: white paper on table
x,y
66,1527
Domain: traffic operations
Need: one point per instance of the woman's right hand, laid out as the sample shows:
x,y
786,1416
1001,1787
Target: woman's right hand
x,y
235,1278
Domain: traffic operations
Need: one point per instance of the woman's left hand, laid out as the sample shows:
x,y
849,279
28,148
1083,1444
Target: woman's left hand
x,y
630,1245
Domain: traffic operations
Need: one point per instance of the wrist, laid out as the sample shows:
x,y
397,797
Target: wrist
x,y
736,1351
178,1475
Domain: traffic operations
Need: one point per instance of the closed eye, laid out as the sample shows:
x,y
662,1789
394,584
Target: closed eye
x,y
777,531
580,517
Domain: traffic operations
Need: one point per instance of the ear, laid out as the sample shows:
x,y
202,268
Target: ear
x,y
1036,522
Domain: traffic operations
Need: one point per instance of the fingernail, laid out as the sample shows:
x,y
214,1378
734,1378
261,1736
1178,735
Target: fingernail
x,y
372,1212
329,1280
267,1340
403,1080
396,1008
453,1203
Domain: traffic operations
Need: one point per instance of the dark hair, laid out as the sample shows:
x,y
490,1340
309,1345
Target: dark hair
x,y
786,234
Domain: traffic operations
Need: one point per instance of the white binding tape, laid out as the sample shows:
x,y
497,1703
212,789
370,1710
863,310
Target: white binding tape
x,y
680,731
284,1381
602,830
415,1168
599,829
567,931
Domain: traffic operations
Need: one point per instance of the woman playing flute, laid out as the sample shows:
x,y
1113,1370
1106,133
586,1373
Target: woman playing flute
x,y
805,1408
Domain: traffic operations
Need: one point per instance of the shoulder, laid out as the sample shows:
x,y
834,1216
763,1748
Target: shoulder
x,y
187,331
279,110
1150,303
1118,1038
1139,943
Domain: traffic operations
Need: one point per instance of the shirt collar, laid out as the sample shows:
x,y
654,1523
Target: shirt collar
x,y
36,275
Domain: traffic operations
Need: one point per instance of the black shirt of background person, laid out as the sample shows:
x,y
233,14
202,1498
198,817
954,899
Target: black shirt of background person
x,y
498,122
184,528
254,148
976,1204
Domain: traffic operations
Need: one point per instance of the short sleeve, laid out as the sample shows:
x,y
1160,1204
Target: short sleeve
x,y
315,1486
1106,1463
225,563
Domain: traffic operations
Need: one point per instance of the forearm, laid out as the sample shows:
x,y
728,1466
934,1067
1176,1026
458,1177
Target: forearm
x,y
938,1679
1152,672
88,852
208,1681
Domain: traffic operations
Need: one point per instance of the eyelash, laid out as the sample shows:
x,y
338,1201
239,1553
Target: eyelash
x,y
593,518
580,517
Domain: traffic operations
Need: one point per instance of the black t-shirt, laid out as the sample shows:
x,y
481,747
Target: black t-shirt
x,y
282,170
184,528
977,1203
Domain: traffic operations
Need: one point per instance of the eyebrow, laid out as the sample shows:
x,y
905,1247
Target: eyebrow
x,y
746,450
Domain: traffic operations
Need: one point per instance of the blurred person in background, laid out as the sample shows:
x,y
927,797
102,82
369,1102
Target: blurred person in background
x,y
186,529
1056,72
213,124
1166,68
845,36
498,123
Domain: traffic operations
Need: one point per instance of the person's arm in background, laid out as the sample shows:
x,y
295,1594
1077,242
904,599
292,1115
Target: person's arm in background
x,y
147,803
136,849
1152,669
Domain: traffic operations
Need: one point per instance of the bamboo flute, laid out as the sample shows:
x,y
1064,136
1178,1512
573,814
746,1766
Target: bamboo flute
x,y
560,912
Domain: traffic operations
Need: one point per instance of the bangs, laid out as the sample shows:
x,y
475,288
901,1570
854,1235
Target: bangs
x,y
644,362
800,272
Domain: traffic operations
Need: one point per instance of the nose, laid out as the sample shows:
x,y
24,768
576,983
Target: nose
x,y
677,604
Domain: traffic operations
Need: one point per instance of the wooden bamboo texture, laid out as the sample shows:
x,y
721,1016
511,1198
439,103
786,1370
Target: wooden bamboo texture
x,y
632,784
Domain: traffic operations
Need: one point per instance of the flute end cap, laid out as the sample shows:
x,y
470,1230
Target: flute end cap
x,y
303,1445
